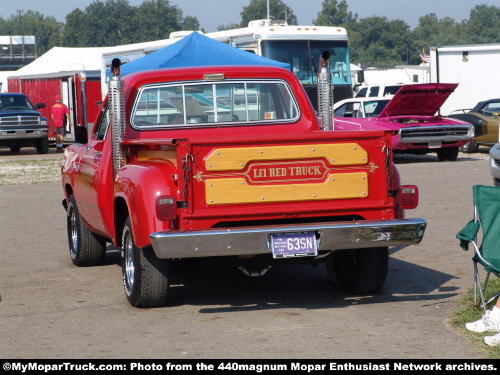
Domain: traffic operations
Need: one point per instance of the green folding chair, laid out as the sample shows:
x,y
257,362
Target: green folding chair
x,y
486,219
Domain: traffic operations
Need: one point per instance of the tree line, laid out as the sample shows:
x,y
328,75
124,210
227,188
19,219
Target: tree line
x,y
383,42
375,41
102,23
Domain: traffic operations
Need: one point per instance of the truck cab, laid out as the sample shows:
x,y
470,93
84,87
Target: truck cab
x,y
230,161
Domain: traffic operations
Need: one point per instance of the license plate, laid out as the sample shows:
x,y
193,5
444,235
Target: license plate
x,y
291,245
435,144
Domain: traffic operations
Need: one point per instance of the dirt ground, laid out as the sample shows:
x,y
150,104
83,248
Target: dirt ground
x,y
51,309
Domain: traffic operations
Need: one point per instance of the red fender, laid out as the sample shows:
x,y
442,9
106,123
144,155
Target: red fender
x,y
139,184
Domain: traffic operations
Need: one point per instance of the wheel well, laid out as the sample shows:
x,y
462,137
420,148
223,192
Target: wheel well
x,y
69,191
121,214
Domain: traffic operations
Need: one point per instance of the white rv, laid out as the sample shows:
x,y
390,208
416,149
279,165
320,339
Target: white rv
x,y
473,67
301,47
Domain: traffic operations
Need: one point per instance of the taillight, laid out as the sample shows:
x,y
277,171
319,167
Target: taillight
x,y
166,208
408,197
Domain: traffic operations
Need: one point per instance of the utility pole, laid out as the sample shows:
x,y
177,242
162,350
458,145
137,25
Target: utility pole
x,y
20,12
268,11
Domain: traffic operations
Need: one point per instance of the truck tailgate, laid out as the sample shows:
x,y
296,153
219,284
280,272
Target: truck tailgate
x,y
324,172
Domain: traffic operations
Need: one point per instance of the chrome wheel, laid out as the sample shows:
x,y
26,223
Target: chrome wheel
x,y
129,274
73,227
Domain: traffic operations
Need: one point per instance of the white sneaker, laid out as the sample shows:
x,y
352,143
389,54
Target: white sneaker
x,y
485,324
492,340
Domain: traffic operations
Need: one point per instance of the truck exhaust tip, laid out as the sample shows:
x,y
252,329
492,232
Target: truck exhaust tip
x,y
115,67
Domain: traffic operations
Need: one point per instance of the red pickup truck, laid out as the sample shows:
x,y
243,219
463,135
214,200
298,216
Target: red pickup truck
x,y
230,162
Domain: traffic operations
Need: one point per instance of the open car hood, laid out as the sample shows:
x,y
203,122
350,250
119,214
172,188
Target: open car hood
x,y
421,99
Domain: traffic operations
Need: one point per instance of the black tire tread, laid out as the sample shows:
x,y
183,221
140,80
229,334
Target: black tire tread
x,y
371,273
42,146
152,282
448,154
92,248
15,149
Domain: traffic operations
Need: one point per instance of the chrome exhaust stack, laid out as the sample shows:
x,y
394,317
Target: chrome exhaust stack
x,y
325,94
117,115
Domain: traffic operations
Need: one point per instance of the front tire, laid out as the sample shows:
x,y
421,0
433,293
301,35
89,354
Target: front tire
x,y
448,154
42,147
361,271
470,147
15,149
85,248
146,278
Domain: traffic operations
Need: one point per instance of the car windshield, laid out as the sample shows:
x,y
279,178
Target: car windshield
x,y
374,107
303,57
14,103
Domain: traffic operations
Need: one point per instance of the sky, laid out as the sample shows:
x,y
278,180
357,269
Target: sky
x,y
212,13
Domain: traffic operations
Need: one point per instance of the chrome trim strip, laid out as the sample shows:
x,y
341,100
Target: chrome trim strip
x,y
216,124
254,240
20,120
38,129
423,134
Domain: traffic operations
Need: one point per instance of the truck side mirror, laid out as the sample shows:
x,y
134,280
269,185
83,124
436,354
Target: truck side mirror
x,y
39,105
81,135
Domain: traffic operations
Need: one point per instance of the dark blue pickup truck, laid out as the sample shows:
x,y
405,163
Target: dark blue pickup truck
x,y
21,125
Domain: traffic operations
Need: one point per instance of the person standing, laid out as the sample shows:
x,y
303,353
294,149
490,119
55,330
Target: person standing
x,y
60,115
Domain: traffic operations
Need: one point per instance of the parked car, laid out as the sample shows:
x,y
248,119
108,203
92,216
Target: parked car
x,y
378,91
410,114
21,125
495,163
485,117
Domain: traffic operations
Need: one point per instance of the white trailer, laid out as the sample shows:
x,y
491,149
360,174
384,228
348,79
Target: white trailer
x,y
399,75
473,67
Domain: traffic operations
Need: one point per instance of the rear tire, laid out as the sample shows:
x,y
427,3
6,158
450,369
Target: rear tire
x,y
15,149
42,147
448,154
361,271
496,182
85,247
470,147
146,278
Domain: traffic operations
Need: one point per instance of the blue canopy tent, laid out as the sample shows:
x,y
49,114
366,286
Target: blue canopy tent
x,y
197,50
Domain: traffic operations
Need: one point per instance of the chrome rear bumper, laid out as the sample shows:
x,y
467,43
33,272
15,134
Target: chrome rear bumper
x,y
255,240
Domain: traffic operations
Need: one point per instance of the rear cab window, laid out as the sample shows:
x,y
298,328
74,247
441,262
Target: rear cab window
x,y
214,103
374,107
362,93
374,91
391,90
351,109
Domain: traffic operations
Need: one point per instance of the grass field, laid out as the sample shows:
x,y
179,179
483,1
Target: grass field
x,y
29,171
468,312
